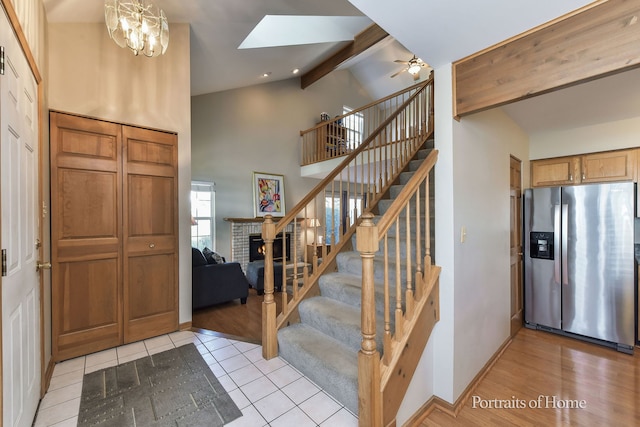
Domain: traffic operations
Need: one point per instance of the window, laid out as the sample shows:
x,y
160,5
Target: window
x,y
355,127
203,215
335,216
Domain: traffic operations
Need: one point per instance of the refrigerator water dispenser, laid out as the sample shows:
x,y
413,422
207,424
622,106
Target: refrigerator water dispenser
x,y
541,244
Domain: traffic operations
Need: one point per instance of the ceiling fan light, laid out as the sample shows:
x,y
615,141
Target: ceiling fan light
x,y
414,69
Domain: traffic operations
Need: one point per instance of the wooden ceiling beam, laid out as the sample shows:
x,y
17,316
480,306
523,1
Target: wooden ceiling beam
x,y
593,42
361,42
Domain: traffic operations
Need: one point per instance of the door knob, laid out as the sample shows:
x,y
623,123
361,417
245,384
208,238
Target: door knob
x,y
43,266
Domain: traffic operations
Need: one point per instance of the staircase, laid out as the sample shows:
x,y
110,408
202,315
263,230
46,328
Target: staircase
x,y
325,344
357,318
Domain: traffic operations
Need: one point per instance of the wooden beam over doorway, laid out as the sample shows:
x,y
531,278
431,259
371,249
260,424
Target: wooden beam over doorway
x,y
361,42
595,41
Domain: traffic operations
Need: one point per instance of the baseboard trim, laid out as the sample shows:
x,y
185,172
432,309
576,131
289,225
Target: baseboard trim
x,y
222,335
186,326
46,380
453,410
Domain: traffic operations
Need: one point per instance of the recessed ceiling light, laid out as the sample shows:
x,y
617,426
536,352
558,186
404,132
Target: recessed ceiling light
x,y
267,74
295,70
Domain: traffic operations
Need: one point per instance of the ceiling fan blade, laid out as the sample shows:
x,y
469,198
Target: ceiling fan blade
x,y
416,77
401,62
399,72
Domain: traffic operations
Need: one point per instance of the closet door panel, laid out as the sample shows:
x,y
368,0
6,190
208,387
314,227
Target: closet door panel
x,y
152,309
86,235
151,210
91,305
151,230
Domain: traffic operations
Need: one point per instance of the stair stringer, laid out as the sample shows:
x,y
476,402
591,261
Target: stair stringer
x,y
396,377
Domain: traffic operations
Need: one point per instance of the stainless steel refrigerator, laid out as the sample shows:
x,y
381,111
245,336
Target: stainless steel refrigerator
x,y
579,264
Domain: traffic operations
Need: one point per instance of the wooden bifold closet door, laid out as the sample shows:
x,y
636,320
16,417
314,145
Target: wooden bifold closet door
x,y
113,234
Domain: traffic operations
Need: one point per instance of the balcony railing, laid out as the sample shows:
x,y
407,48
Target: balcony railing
x,y
342,135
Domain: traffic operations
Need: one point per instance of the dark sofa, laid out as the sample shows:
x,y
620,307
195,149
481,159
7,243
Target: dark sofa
x,y
215,283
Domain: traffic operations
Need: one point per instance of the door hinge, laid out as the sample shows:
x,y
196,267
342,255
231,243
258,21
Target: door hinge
x,y
1,60
4,262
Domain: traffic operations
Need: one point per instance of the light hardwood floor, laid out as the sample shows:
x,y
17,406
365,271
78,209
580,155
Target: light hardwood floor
x,y
538,367
242,321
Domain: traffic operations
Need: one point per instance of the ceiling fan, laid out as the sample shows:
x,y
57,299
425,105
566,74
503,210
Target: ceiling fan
x,y
413,67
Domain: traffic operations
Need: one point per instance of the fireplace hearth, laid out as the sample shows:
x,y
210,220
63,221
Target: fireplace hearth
x,y
257,247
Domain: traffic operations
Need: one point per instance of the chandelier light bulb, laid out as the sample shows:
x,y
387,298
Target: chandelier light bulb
x,y
143,28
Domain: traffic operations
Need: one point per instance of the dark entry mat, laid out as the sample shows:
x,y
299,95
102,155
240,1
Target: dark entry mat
x,y
173,388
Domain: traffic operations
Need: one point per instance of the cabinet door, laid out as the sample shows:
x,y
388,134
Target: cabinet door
x,y
86,235
557,171
150,227
609,166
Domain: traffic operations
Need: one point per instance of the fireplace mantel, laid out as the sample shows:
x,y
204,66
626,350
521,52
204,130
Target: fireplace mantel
x,y
256,219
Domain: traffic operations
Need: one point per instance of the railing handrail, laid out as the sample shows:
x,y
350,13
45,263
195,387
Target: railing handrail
x,y
407,191
369,105
338,169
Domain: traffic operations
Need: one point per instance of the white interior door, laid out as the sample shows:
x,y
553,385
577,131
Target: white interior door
x,y
19,193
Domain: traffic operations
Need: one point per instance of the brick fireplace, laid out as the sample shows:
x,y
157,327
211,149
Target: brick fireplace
x,y
243,228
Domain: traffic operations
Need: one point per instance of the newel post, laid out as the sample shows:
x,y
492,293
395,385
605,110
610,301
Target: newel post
x,y
369,393
269,332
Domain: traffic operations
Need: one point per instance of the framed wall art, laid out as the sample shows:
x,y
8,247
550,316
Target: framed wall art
x,y
268,194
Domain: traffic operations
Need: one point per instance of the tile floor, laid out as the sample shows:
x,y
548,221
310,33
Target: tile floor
x,y
269,392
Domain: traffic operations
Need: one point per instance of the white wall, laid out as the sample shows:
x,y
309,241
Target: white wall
x,y
90,75
587,139
483,144
257,128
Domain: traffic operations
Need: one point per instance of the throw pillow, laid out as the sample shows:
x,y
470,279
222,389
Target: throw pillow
x,y
208,254
219,258
197,259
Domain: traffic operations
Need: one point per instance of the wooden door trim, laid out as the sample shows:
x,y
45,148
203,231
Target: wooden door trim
x,y
589,43
514,327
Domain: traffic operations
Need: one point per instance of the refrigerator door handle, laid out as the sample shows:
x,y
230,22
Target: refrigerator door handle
x,y
556,243
563,249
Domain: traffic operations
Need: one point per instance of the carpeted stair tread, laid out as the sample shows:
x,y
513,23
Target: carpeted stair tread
x,y
351,262
338,320
424,152
391,243
406,176
347,288
329,363
395,190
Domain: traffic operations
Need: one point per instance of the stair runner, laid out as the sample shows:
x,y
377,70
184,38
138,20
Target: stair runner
x,y
325,344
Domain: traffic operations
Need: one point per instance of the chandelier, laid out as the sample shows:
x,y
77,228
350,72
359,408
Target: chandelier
x,y
143,29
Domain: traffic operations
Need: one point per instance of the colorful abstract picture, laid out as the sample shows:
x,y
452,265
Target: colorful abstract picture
x,y
268,194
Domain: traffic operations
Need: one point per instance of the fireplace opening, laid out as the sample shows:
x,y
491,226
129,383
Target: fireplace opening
x,y
257,247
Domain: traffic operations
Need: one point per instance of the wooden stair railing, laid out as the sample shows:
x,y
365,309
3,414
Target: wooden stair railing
x,y
361,179
343,134
383,381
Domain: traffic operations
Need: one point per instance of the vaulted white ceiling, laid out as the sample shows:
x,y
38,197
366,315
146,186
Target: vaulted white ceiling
x,y
438,31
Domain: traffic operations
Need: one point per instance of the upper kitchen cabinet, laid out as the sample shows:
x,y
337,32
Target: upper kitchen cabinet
x,y
609,166
619,165
556,171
